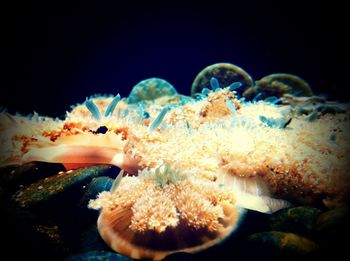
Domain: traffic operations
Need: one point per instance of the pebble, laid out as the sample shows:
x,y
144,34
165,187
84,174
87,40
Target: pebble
x,y
12,177
279,244
65,188
300,220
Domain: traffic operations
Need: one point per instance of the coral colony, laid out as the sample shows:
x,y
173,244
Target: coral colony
x,y
191,165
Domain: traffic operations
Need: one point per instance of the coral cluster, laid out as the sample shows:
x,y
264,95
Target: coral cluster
x,y
192,163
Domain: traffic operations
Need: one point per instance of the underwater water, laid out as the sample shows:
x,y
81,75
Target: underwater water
x,y
209,92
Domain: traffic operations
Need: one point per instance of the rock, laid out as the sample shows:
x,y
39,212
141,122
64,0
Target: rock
x,y
97,256
90,239
233,247
331,228
55,198
180,256
12,177
274,244
333,221
5,174
5,170
300,220
85,216
36,237
252,222
96,186
52,188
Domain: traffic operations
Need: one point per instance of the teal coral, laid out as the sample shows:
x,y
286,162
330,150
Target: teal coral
x,y
93,109
112,106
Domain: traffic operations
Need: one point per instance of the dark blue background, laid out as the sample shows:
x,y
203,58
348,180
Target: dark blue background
x,y
59,54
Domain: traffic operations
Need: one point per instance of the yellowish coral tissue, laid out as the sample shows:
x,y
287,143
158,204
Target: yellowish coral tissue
x,y
190,166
